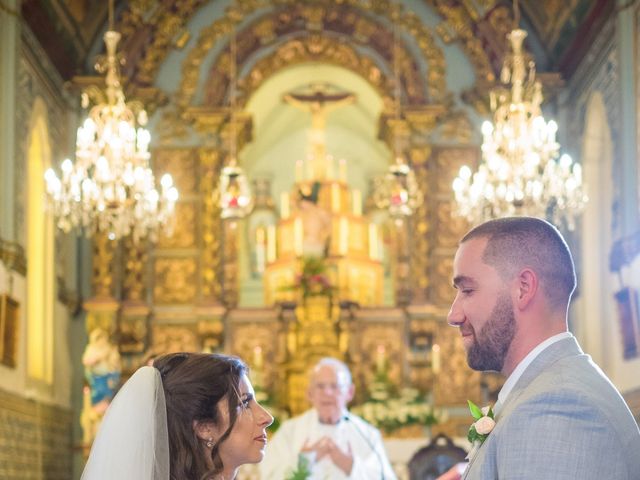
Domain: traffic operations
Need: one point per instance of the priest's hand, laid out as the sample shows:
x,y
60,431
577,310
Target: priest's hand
x,y
326,447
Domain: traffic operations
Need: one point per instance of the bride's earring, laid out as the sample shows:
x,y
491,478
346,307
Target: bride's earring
x,y
209,443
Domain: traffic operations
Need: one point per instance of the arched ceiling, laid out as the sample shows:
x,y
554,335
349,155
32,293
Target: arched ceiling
x,y
70,30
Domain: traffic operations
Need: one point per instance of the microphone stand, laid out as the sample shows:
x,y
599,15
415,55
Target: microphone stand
x,y
347,418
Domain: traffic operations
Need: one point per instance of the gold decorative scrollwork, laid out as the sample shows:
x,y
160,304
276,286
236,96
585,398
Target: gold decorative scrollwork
x,y
210,224
421,240
184,227
102,276
176,280
181,164
134,270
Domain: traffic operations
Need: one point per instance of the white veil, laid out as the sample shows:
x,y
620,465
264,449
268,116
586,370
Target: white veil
x,y
132,442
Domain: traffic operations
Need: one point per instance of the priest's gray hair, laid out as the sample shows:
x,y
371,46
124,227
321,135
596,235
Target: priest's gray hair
x,y
337,365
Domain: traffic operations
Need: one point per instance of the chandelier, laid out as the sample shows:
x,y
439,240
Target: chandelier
x,y
110,188
397,190
235,193
520,173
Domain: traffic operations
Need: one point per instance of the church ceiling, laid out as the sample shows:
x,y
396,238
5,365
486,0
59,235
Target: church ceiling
x,y
70,30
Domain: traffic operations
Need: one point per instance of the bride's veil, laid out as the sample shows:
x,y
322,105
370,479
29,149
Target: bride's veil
x,y
133,443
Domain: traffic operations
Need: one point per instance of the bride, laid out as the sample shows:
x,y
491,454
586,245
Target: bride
x,y
189,416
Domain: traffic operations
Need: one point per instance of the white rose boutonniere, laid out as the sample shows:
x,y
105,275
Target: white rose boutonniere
x,y
481,428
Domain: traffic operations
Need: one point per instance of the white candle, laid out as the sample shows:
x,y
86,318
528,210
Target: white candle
x,y
335,197
284,205
357,203
344,236
271,243
373,241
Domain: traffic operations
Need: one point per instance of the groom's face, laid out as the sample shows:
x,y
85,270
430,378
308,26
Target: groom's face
x,y
482,308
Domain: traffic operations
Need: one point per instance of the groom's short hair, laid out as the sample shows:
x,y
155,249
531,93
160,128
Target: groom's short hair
x,y
514,243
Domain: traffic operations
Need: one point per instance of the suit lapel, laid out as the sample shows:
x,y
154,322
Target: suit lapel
x,y
567,347
564,348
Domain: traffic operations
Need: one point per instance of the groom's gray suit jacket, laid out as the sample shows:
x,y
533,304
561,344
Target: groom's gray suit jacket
x,y
562,420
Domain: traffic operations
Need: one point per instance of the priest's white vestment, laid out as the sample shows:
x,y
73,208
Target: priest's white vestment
x,y
370,459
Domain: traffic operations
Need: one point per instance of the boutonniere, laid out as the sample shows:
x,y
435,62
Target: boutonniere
x,y
481,427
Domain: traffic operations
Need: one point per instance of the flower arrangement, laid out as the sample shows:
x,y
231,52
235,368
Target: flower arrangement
x,y
393,412
312,280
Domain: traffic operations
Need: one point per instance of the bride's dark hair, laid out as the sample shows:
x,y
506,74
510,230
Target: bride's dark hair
x,y
194,384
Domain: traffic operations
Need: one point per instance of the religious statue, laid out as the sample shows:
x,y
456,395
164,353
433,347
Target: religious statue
x,y
316,223
102,368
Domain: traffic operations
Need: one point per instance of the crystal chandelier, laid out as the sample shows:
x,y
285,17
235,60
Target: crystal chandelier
x,y
519,173
235,193
111,188
397,190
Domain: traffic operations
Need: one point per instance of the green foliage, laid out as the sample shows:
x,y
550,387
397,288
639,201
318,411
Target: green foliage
x,y
302,472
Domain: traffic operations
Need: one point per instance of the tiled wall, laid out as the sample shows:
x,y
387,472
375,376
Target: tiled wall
x,y
35,440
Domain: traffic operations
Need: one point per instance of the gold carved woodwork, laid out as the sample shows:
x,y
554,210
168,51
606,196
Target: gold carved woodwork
x,y
230,280
170,338
9,328
257,343
134,283
448,162
210,224
442,291
102,274
456,382
380,343
173,126
101,314
451,228
13,256
176,280
184,227
346,15
133,328
181,164
457,126
421,240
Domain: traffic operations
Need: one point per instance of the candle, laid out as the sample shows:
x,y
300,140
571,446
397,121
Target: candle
x,y
357,203
344,236
342,170
284,205
297,237
257,357
335,197
435,358
373,241
271,243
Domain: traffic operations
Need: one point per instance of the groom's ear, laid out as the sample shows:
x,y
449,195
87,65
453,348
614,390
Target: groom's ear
x,y
525,288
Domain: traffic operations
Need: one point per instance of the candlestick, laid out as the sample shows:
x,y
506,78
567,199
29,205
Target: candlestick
x,y
271,243
357,203
297,237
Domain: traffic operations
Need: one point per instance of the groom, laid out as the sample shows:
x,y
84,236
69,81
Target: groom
x,y
557,416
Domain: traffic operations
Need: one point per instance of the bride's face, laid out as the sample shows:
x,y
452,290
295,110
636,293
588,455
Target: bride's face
x,y
248,437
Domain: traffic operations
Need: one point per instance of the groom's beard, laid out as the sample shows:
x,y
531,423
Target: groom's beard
x,y
492,342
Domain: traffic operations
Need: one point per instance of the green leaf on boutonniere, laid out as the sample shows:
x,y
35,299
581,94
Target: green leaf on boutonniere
x,y
485,422
475,410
